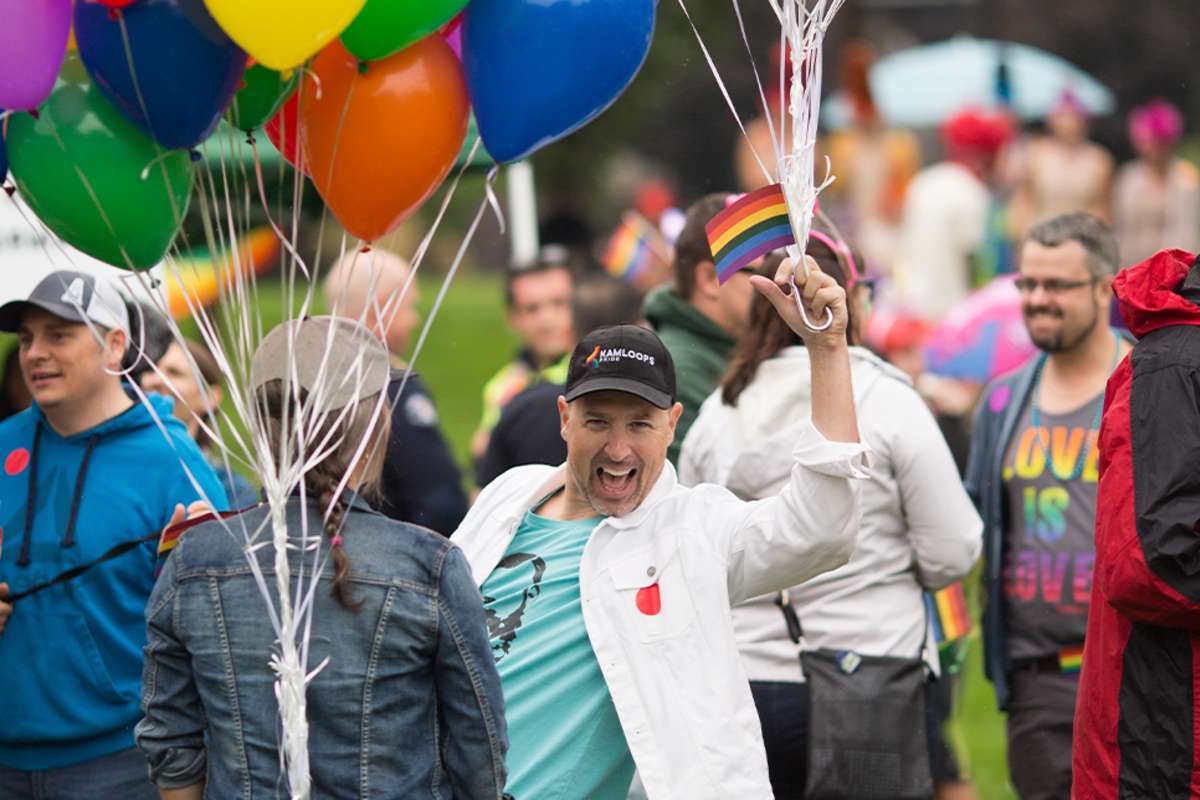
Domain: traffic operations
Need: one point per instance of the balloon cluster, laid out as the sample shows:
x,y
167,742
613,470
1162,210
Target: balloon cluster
x,y
370,98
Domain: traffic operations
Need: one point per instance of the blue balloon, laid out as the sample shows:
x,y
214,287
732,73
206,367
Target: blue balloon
x,y
186,69
538,70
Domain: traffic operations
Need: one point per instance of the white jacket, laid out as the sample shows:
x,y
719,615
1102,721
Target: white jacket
x,y
675,678
919,528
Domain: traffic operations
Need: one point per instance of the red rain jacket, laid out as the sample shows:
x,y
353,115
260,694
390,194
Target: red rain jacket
x,y
1137,733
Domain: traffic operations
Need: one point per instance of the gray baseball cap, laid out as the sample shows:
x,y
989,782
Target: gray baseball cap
x,y
73,296
354,360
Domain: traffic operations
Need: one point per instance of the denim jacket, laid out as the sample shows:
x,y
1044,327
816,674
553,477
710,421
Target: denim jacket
x,y
409,705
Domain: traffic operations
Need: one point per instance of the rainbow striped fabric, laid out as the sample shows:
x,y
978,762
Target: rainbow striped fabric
x,y
752,227
949,613
170,538
636,247
1070,659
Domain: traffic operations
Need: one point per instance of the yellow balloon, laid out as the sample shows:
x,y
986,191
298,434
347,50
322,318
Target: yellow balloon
x,y
282,34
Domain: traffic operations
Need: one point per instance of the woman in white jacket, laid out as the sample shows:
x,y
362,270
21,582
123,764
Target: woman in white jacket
x,y
919,529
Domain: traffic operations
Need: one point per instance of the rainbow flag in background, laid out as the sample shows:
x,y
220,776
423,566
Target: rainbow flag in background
x,y
198,277
1070,659
948,613
635,247
753,226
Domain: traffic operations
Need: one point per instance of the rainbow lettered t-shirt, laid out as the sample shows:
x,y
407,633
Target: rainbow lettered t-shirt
x,y
1050,477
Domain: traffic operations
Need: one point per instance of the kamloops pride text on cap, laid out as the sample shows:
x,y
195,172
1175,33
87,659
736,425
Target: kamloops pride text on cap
x,y
622,358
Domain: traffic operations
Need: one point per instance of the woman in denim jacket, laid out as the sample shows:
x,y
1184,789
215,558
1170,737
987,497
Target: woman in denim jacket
x,y
409,705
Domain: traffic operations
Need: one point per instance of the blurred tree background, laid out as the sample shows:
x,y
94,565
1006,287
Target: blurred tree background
x,y
673,121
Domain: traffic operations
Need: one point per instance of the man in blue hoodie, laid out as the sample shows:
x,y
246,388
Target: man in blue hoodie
x,y
85,469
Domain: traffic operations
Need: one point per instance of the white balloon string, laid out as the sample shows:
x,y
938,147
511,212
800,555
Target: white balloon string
x,y
725,93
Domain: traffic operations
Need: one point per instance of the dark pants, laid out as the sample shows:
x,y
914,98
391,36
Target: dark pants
x,y
783,712
120,776
939,703
1041,714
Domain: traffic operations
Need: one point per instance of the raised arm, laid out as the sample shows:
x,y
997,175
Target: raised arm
x,y
829,353
811,527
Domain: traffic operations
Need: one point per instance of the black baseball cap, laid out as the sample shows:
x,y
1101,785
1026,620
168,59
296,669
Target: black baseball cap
x,y
73,296
622,358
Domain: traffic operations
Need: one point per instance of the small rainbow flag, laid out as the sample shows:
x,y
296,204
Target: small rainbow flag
x,y
753,226
635,247
1070,659
949,614
170,536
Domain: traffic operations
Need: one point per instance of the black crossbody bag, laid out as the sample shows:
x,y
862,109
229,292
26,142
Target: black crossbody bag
x,y
867,737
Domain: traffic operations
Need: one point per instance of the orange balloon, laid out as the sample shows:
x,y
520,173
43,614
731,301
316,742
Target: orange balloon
x,y
380,138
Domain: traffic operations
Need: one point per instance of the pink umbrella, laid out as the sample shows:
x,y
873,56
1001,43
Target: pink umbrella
x,y
982,337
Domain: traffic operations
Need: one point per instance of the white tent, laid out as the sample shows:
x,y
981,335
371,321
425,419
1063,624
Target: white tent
x,y
30,252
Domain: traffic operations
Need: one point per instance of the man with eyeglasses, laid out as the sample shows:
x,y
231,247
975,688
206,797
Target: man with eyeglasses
x,y
1033,473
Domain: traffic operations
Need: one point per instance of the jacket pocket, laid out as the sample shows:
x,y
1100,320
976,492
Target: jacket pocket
x,y
63,691
653,593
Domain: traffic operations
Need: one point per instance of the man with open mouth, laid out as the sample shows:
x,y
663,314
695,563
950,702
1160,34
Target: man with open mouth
x,y
622,655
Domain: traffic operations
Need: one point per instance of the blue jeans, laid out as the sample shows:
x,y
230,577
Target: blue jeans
x,y
123,775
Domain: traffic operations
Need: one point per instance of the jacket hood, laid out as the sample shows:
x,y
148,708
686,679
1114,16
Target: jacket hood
x,y
137,416
782,391
1160,292
664,306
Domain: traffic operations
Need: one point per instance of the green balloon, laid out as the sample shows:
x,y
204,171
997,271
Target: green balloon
x,y
385,26
79,167
262,92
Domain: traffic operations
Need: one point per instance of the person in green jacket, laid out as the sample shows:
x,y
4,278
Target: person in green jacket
x,y
697,318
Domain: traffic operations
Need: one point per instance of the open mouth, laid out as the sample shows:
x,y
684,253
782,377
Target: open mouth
x,y
615,482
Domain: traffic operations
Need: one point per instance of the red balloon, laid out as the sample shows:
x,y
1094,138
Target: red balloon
x,y
283,130
114,3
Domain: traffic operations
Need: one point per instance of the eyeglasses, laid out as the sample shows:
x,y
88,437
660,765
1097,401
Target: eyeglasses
x,y
869,285
1051,286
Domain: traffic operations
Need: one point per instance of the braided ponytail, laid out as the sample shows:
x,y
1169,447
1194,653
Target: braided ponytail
x,y
321,482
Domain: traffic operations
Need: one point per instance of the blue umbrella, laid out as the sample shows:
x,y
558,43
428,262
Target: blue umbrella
x,y
922,86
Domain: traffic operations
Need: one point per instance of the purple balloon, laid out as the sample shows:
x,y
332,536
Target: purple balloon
x,y
33,41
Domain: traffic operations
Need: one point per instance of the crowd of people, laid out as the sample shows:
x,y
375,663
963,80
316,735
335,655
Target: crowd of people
x,y
705,545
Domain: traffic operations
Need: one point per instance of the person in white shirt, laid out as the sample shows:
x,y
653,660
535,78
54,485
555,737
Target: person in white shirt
x,y
945,218
919,529
607,585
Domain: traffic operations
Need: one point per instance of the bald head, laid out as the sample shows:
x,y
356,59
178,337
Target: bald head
x,y
367,287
